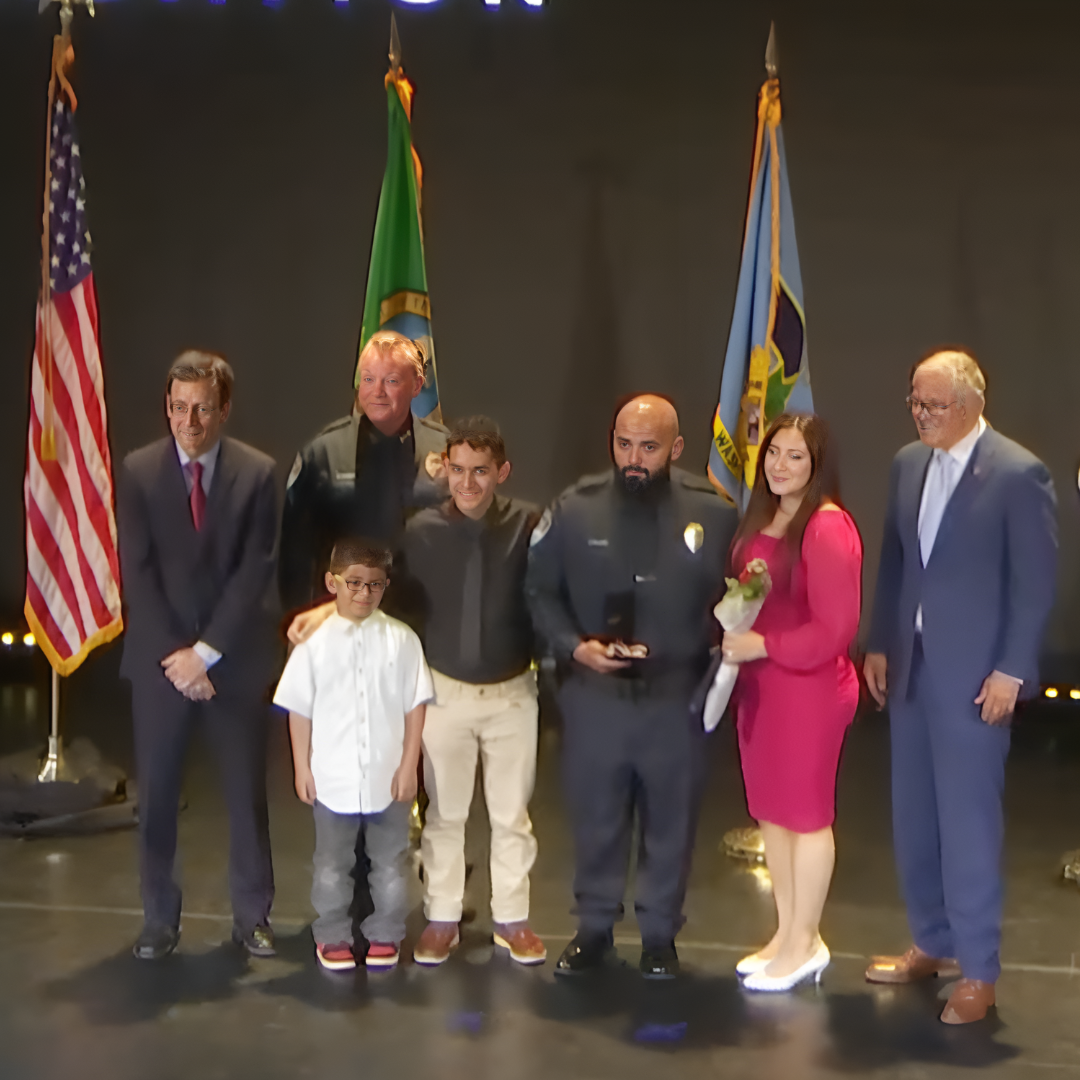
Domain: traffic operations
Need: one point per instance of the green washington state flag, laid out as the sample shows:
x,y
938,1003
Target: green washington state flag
x,y
397,291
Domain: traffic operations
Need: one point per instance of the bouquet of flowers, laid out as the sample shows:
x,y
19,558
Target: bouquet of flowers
x,y
736,612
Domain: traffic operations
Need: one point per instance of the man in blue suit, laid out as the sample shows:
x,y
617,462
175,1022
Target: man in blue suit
x,y
965,585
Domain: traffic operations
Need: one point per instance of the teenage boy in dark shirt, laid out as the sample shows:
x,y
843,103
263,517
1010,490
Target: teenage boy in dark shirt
x,y
466,560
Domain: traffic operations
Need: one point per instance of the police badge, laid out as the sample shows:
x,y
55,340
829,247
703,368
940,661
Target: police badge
x,y
694,537
433,465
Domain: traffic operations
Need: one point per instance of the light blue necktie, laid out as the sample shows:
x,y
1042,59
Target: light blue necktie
x,y
938,490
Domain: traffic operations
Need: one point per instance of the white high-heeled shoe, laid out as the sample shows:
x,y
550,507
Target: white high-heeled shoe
x,y
811,969
751,965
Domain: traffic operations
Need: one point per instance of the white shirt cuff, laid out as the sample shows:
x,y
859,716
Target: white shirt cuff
x,y
208,655
1006,675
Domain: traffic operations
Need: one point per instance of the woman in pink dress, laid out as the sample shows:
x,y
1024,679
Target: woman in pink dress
x,y
797,689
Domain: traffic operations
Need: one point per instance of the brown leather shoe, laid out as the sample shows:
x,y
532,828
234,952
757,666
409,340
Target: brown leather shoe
x,y
525,947
436,943
968,1002
911,967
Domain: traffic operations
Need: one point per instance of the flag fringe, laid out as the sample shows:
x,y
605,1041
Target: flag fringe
x,y
72,663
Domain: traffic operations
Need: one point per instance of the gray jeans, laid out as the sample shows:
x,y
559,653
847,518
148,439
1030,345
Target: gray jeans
x,y
339,841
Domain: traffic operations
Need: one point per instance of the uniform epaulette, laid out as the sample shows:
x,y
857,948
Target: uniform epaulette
x,y
434,425
336,425
589,483
693,481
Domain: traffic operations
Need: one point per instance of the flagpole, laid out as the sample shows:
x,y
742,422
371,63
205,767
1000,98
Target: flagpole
x,y
747,842
53,765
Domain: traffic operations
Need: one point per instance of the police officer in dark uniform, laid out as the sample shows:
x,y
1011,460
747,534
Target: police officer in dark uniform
x,y
364,474
632,561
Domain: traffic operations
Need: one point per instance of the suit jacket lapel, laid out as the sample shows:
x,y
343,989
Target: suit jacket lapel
x,y
910,496
220,488
971,481
175,497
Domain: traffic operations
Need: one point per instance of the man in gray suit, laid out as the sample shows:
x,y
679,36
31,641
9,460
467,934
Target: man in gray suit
x,y
198,530
965,585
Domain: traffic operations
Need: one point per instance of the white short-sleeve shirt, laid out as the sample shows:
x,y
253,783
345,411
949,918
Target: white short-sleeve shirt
x,y
356,682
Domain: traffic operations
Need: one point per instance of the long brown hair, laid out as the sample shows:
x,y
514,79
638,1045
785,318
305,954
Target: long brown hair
x,y
761,508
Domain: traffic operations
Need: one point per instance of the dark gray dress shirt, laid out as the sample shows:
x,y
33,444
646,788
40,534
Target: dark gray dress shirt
x,y
466,581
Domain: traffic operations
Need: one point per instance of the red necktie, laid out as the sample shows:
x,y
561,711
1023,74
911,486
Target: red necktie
x,y
198,496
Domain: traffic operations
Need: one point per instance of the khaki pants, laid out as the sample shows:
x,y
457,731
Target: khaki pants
x,y
500,722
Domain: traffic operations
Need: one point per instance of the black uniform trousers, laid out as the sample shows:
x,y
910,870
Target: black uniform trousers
x,y
627,752
234,724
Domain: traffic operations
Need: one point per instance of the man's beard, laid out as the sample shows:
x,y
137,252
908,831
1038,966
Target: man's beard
x,y
639,481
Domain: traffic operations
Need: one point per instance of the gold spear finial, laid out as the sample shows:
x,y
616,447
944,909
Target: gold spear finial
x,y
395,46
67,11
770,53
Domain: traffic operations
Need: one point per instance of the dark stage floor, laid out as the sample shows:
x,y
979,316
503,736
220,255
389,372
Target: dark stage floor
x,y
73,1001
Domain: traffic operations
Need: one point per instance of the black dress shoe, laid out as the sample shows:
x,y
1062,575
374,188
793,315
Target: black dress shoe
x,y
258,941
584,953
156,941
662,963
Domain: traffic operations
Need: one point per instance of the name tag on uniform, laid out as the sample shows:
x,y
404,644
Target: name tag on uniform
x,y
344,475
598,543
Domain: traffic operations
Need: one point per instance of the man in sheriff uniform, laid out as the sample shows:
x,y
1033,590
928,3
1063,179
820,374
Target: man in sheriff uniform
x,y
363,474
631,560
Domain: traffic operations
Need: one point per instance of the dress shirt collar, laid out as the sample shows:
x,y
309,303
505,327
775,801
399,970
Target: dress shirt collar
x,y
474,526
403,434
342,627
961,451
209,459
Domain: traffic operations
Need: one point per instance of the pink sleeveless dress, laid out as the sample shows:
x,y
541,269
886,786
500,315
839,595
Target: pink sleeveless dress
x,y
793,708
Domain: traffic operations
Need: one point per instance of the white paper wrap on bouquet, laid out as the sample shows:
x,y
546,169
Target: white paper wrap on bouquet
x,y
736,614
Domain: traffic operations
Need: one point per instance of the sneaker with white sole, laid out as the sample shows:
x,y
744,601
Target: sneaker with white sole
x,y
382,955
436,943
523,945
338,957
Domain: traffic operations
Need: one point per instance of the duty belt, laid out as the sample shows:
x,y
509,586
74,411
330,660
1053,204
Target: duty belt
x,y
675,680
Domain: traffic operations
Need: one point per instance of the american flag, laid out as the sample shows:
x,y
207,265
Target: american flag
x,y
72,572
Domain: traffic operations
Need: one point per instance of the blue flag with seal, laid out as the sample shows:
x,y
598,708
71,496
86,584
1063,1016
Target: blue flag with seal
x,y
765,367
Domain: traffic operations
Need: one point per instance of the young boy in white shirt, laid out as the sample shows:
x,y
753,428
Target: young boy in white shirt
x,y
356,692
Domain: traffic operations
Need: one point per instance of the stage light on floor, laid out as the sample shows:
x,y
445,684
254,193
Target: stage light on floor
x,y
744,844
1070,869
762,879
8,638
1074,694
29,640
1051,692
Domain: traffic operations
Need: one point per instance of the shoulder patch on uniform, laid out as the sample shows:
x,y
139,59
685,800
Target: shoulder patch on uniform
x,y
541,530
294,472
